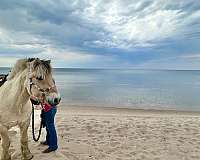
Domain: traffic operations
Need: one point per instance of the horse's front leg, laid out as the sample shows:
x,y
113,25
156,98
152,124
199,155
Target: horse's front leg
x,y
26,154
5,143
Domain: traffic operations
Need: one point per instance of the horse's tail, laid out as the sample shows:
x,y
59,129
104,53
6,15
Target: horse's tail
x,y
3,79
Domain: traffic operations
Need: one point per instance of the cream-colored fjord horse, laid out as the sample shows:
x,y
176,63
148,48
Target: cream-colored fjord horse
x,y
29,77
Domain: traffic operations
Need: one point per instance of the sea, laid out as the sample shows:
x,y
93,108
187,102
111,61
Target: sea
x,y
128,88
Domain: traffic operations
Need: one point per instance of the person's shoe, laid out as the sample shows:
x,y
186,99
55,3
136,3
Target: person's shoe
x,y
44,143
48,150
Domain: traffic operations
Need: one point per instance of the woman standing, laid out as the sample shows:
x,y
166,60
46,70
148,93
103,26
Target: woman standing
x,y
49,113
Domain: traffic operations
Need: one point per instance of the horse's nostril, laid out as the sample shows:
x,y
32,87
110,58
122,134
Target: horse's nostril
x,y
56,100
53,99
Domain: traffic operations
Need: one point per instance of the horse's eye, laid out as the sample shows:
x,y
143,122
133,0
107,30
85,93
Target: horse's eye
x,y
41,90
47,90
39,78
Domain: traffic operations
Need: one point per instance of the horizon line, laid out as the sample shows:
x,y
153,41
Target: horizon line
x,y
95,68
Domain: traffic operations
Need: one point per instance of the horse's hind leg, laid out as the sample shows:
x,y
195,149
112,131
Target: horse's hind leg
x,y
5,143
26,154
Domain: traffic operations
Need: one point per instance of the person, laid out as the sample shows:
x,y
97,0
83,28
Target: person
x,y
48,115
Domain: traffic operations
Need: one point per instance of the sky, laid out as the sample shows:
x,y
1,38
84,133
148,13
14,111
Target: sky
x,y
148,34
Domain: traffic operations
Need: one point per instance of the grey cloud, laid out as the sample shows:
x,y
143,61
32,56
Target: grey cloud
x,y
82,25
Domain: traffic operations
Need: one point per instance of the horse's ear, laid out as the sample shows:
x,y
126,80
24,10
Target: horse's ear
x,y
31,59
48,61
29,62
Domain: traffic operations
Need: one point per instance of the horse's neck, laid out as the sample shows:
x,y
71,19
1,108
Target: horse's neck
x,y
18,91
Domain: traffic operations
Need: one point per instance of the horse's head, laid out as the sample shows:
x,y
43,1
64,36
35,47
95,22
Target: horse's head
x,y
40,81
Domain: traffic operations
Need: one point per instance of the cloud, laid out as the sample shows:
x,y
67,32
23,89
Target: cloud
x,y
68,56
81,31
194,57
7,61
142,28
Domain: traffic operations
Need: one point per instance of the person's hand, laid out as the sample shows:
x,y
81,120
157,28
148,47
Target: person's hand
x,y
42,98
38,107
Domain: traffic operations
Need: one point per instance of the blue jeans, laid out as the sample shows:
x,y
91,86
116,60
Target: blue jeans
x,y
51,137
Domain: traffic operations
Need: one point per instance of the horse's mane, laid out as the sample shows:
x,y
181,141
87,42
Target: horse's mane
x,y
41,67
19,66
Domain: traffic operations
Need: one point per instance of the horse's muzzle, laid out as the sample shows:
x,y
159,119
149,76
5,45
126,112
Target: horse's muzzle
x,y
53,100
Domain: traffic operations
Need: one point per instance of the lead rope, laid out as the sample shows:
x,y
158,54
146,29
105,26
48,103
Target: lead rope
x,y
33,115
33,128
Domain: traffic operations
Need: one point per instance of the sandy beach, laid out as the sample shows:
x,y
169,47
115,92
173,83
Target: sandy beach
x,y
90,133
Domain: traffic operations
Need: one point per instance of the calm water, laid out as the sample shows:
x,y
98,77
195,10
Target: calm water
x,y
149,89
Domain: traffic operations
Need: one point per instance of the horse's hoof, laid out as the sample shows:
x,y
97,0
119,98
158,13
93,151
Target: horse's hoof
x,y
29,157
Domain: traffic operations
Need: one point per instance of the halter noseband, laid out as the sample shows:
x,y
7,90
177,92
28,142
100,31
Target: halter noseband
x,y
46,90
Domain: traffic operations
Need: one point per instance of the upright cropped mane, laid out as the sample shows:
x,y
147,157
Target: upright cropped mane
x,y
19,66
41,67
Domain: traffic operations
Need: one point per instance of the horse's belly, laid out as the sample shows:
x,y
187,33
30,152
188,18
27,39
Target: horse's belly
x,y
11,120
8,121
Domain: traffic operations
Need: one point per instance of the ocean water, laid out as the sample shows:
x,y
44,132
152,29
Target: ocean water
x,y
146,89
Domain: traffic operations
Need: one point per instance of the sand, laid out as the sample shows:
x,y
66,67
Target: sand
x,y
91,133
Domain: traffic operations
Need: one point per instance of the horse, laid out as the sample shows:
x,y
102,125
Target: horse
x,y
29,77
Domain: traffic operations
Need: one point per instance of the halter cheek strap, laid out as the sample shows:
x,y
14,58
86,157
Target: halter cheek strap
x,y
30,85
30,82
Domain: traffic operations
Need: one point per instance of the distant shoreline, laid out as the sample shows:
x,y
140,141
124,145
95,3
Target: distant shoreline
x,y
146,69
